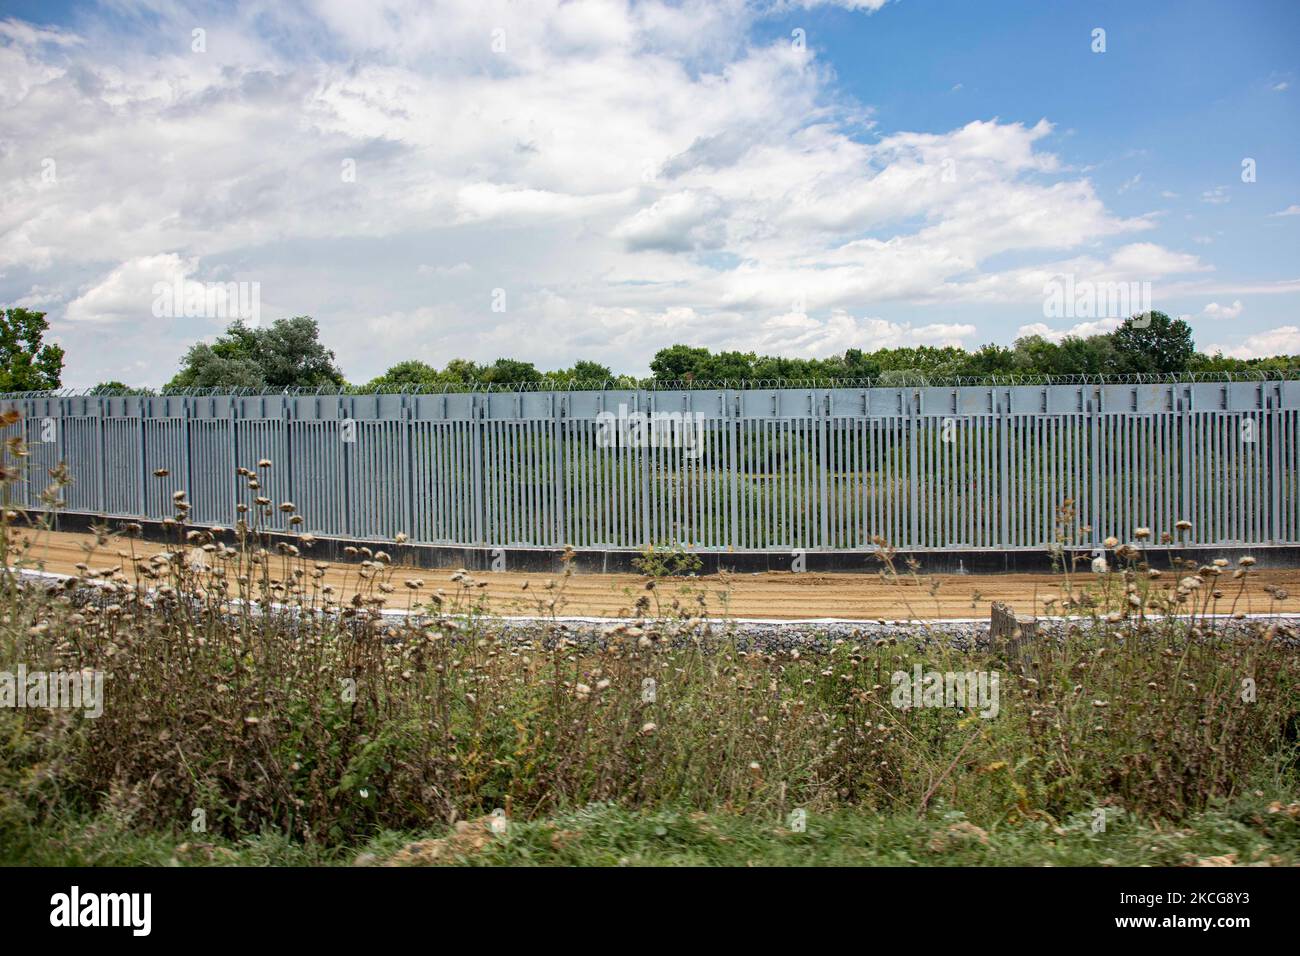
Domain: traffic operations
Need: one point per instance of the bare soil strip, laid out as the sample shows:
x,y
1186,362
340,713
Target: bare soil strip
x,y
770,595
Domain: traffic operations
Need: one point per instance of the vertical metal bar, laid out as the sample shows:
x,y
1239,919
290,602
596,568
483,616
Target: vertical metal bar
x,y
143,470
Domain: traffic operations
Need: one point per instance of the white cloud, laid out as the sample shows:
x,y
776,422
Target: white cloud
x,y
677,222
460,268
28,35
1216,311
1204,288
1291,210
871,6
126,293
795,333
1080,330
1146,260
1284,340
630,174
840,331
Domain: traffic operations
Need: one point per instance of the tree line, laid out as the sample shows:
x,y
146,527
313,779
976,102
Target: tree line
x,y
288,353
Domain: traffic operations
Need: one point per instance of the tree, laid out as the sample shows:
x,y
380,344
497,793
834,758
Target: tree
x,y
511,372
1220,364
405,374
1035,355
896,377
119,388
1155,344
858,365
462,372
680,363
205,367
28,364
928,360
989,360
290,353
589,372
1093,355
731,367
768,367
287,354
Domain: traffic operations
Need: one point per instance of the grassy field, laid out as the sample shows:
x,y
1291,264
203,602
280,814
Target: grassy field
x,y
253,714
1252,831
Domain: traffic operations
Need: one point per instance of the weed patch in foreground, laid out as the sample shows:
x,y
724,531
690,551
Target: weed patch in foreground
x,y
252,714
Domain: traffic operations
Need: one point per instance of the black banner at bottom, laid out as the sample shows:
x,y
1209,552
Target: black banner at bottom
x,y
338,905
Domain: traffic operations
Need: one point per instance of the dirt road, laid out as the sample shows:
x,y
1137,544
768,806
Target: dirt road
x,y
767,595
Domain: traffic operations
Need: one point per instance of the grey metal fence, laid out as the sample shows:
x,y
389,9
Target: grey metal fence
x,y
925,468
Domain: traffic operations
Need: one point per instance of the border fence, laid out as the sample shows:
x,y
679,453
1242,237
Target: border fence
x,y
760,469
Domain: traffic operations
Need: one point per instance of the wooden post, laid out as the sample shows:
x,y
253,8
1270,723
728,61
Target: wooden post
x,y
1014,633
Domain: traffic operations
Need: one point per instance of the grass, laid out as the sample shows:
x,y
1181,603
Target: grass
x,y
300,728
1251,831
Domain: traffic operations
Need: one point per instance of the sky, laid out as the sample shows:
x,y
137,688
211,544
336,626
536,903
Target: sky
x,y
555,181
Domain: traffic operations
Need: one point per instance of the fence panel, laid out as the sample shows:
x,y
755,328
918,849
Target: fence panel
x,y
780,470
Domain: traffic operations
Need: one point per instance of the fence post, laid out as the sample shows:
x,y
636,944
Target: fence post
x,y
823,464
143,467
477,470
1094,431
644,453
102,470
734,423
233,441
1275,470
185,438
913,436
288,409
408,452
1014,635
351,456
559,486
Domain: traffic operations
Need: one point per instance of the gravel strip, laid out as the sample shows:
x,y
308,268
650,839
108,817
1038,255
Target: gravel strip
x,y
769,636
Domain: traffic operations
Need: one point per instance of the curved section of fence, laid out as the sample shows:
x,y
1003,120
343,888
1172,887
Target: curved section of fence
x,y
923,468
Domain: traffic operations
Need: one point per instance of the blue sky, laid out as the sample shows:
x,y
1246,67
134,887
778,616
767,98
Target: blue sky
x,y
557,181
1184,92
